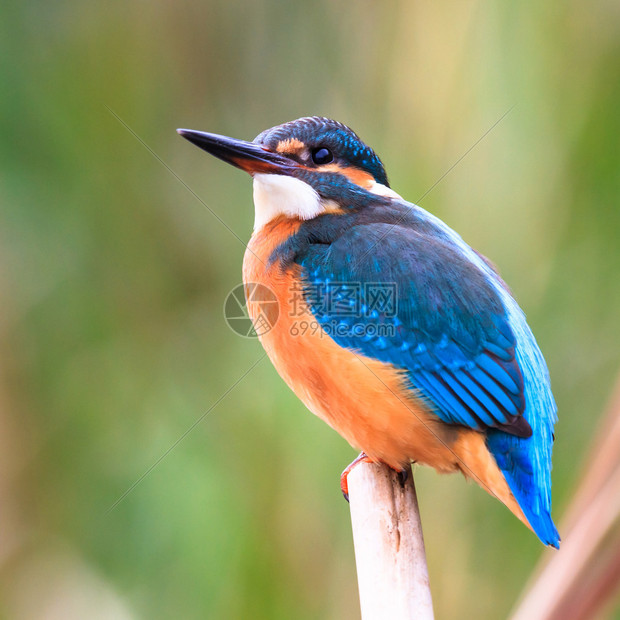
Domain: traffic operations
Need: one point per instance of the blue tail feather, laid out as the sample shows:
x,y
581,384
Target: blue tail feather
x,y
532,492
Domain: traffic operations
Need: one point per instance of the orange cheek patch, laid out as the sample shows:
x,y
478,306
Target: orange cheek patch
x,y
355,175
292,145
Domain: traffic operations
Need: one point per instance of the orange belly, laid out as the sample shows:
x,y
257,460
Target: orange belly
x,y
366,401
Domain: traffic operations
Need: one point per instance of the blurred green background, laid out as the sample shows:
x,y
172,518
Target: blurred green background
x,y
113,277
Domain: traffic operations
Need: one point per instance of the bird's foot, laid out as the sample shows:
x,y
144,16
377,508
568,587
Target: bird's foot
x,y
344,484
403,474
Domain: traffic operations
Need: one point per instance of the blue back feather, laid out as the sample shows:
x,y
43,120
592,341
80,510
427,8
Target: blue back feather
x,y
455,329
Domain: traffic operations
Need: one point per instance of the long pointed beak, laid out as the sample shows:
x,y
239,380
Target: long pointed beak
x,y
252,158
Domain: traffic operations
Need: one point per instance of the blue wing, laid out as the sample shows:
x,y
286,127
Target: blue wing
x,y
411,299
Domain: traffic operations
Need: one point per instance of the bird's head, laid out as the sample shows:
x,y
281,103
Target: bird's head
x,y
303,169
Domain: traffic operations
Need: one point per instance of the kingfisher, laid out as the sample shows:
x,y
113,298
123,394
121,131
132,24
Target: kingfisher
x,y
390,327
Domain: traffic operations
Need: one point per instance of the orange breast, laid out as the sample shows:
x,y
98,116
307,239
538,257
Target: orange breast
x,y
363,399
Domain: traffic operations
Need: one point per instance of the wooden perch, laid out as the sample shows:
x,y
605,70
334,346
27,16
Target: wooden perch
x,y
389,546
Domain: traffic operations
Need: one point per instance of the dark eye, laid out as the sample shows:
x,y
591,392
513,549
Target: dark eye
x,y
322,156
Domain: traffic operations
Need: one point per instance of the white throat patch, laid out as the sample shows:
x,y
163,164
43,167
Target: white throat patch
x,y
276,194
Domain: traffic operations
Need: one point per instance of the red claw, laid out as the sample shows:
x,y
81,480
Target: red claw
x,y
344,484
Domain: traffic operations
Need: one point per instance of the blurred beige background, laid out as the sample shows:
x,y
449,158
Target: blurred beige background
x,y
113,278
